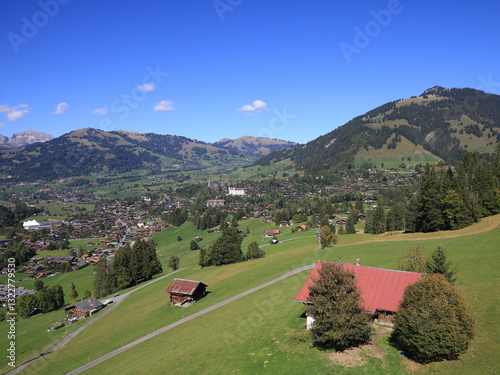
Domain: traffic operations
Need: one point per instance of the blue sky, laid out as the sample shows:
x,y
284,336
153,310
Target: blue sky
x,y
206,70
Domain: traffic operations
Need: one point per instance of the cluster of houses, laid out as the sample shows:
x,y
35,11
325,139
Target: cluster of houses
x,y
17,291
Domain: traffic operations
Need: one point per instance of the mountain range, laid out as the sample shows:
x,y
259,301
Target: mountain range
x,y
21,139
436,126
86,152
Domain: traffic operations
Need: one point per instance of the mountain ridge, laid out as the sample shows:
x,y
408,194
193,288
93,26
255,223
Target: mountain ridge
x,y
444,122
89,152
256,146
24,138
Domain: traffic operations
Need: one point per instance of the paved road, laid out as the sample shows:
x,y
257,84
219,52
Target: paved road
x,y
64,341
193,316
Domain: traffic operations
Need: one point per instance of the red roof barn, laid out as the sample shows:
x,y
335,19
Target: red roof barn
x,y
381,289
185,292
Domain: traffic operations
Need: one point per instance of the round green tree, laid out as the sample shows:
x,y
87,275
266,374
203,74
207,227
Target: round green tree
x,y
340,322
254,251
434,321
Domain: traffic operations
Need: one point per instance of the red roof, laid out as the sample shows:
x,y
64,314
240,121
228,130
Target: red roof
x,y
182,286
381,289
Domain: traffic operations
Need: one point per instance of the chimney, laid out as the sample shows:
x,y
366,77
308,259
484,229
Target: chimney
x,y
340,261
358,262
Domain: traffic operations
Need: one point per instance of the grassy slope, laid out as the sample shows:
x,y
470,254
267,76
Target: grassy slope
x,y
251,324
392,158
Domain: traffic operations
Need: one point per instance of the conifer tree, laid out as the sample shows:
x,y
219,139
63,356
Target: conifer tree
x,y
429,217
352,219
340,322
73,293
438,263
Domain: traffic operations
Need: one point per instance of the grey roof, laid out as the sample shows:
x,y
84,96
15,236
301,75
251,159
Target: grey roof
x,y
88,305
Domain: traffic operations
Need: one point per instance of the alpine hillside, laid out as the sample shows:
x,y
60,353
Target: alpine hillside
x,y
255,146
438,125
92,152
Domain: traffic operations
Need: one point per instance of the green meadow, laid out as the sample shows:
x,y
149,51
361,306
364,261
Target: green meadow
x,y
258,333
393,158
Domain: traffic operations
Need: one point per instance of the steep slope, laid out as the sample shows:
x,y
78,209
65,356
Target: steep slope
x,y
441,122
255,146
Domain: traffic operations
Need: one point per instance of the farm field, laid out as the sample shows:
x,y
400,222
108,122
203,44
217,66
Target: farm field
x,y
257,328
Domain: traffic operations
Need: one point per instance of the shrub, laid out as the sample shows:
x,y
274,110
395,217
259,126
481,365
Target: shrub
x,y
434,321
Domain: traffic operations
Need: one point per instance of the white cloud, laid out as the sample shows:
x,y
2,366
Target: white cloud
x,y
256,106
164,105
61,108
147,87
100,111
14,113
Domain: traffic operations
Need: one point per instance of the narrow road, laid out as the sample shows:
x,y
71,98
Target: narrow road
x,y
184,320
64,341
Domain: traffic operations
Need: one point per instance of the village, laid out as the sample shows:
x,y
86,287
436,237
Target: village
x,y
75,234
106,226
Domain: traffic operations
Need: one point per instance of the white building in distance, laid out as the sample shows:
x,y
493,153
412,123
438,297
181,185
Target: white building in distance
x,y
236,191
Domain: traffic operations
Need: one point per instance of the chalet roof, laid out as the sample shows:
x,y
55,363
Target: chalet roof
x,y
87,305
381,289
182,286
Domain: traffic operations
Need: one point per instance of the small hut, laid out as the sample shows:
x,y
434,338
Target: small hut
x,y
185,292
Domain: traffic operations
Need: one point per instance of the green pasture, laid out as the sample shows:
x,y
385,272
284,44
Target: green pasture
x,y
243,335
392,158
83,280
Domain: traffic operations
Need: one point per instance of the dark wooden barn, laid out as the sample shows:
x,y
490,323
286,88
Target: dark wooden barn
x,y
185,292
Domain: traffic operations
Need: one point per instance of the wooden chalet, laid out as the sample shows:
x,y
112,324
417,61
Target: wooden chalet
x,y
272,233
381,289
81,309
185,292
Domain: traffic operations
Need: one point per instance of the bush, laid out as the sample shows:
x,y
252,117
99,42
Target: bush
x,y
434,321
300,337
254,251
194,245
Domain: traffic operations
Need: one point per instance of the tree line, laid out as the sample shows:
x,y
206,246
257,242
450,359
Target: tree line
x,y
132,265
445,200
47,299
227,250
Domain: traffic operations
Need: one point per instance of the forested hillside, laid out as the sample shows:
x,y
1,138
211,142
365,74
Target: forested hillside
x,y
445,122
88,152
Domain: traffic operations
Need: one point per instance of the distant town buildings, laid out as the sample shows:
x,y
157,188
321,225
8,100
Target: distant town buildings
x,y
33,224
215,202
236,191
